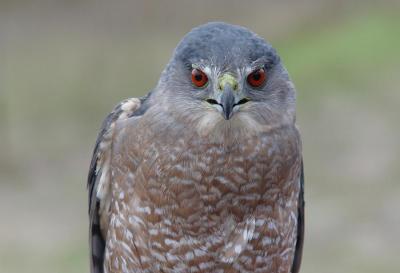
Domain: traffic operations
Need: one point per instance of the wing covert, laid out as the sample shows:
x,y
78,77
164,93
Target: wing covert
x,y
99,181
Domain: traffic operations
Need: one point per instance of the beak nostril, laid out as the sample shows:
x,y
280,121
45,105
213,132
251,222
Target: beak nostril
x,y
235,87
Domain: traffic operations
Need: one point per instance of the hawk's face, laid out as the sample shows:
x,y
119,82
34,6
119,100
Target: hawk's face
x,y
226,76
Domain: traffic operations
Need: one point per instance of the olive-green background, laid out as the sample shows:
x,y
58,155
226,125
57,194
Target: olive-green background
x,y
65,64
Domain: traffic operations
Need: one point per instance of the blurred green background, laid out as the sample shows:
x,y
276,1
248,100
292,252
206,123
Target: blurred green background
x,y
65,64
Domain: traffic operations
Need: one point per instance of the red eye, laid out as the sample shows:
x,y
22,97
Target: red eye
x,y
199,78
256,78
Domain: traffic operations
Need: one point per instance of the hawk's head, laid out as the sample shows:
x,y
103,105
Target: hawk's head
x,y
223,76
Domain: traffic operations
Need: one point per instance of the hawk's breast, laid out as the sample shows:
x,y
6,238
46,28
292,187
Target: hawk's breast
x,y
184,203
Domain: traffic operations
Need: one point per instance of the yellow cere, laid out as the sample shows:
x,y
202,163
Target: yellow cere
x,y
225,79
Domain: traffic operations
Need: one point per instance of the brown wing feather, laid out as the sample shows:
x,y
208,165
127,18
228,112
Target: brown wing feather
x,y
300,226
98,168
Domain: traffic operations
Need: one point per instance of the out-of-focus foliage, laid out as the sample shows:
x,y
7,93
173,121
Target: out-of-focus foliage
x,y
64,64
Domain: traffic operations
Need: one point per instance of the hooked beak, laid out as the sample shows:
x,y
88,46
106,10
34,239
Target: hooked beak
x,y
227,96
227,102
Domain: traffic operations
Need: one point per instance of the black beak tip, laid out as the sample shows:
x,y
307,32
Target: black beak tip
x,y
227,115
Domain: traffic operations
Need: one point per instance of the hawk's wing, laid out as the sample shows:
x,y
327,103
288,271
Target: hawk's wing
x,y
99,179
300,226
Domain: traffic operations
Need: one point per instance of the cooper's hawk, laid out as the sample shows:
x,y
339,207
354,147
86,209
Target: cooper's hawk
x,y
204,174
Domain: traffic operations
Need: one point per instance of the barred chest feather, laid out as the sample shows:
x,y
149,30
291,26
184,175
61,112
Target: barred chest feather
x,y
184,203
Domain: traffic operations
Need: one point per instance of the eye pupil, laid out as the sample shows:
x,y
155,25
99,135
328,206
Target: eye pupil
x,y
199,78
256,78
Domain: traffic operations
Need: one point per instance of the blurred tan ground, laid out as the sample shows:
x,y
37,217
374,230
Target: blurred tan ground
x,y
64,64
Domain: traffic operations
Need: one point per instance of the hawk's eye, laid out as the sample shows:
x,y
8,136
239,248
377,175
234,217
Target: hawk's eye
x,y
199,78
256,78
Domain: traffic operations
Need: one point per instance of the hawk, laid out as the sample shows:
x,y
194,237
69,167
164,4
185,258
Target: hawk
x,y
205,173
